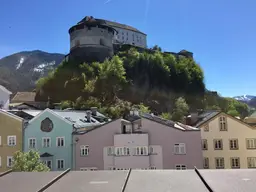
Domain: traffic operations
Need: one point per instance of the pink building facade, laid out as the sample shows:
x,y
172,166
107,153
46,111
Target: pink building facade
x,y
144,142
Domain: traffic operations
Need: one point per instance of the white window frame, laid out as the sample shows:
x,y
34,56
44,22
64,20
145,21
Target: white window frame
x,y
218,160
7,163
141,151
57,160
32,138
219,147
206,163
45,138
8,140
180,167
223,123
122,151
180,149
110,151
204,144
84,150
233,161
233,144
251,143
57,138
251,162
88,169
46,161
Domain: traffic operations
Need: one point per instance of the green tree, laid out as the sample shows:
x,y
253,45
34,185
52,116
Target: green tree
x,y
233,113
28,162
111,79
180,109
142,108
66,104
166,116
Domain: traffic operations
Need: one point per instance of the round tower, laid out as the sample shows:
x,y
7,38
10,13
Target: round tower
x,y
91,40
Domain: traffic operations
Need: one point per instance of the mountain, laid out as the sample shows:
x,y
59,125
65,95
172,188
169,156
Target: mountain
x,y
20,71
244,98
250,100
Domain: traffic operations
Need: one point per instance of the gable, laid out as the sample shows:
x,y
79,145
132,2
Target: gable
x,y
216,118
10,116
47,113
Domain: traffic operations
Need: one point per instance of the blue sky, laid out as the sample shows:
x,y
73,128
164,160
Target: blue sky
x,y
220,33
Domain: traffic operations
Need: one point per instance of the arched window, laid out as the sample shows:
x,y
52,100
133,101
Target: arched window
x,y
46,125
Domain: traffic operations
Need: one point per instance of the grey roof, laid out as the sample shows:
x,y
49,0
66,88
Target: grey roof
x,y
235,180
25,182
164,180
78,118
202,118
169,123
94,181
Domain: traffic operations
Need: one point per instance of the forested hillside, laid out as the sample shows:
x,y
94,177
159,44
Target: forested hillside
x,y
166,84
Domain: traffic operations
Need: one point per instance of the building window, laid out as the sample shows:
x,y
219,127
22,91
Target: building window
x,y
110,151
60,141
84,150
251,162
204,144
9,161
151,150
251,143
233,144
206,163
219,163
180,148
206,128
46,142
48,163
223,123
235,162
88,169
180,167
218,144
47,125
0,140
122,151
11,140
60,164
141,151
32,143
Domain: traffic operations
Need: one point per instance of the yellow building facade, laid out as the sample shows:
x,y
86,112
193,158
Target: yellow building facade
x,y
10,138
228,143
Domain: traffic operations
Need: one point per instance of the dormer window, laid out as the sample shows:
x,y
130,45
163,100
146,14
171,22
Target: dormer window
x,y
126,129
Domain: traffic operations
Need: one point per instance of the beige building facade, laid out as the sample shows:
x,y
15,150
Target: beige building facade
x,y
228,143
10,138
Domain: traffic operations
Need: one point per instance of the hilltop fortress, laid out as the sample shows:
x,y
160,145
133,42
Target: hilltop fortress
x,y
94,39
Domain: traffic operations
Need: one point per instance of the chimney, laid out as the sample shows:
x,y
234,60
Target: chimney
x,y
88,116
194,117
94,111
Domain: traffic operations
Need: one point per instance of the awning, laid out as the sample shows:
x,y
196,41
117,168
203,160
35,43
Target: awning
x,y
46,155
